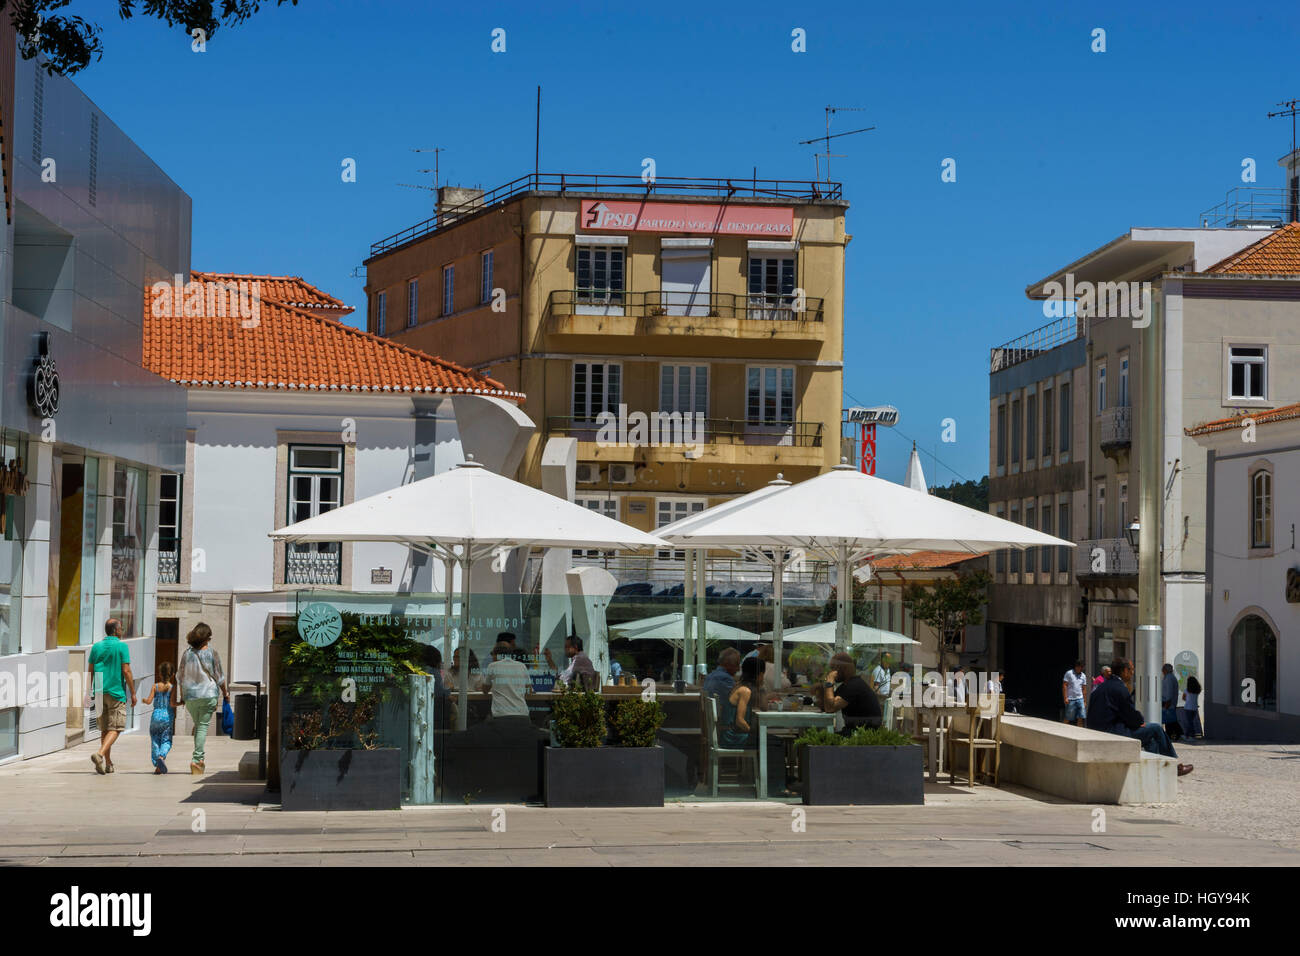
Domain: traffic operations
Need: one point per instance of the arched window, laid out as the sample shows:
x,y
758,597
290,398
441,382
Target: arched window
x,y
1261,509
1254,664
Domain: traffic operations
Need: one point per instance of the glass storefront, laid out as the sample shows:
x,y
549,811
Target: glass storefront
x,y
127,595
14,484
367,670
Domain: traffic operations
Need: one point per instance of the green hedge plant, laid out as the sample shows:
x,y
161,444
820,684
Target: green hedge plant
x,y
860,737
579,717
636,722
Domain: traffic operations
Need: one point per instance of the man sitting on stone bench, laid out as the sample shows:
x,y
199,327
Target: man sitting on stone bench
x,y
1111,710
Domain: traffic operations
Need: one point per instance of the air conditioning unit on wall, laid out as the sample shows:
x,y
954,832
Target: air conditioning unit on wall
x,y
622,474
588,474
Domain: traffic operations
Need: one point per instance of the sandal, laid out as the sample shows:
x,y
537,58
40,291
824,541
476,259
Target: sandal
x,y
98,761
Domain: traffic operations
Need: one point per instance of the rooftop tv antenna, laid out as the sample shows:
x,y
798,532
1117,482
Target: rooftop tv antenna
x,y
828,136
1290,111
437,180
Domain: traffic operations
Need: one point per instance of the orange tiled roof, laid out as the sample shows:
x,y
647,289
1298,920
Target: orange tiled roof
x,y
1285,413
282,347
923,560
1277,254
291,290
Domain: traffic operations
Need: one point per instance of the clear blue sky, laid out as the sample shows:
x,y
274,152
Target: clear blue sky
x,y
1058,149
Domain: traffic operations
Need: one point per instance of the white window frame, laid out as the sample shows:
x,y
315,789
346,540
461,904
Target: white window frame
x,y
1260,363
610,291
448,289
485,265
1101,387
1099,502
315,501
607,402
692,506
381,312
1123,382
607,505
771,299
697,392
1257,548
412,302
782,420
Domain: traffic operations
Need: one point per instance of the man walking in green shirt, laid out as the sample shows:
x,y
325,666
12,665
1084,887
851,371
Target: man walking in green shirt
x,y
110,661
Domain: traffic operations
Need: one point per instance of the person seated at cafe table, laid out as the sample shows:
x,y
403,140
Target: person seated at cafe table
x,y
847,693
580,670
722,679
454,679
737,728
508,682
774,678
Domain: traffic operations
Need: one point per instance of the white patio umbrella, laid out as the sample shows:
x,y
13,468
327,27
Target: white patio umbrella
x,y
863,635
776,558
846,516
463,515
669,627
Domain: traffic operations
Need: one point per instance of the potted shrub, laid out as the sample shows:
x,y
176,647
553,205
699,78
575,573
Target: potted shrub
x,y
582,771
330,752
871,766
336,764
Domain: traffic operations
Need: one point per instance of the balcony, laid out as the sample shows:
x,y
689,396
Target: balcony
x,y
708,315
168,567
1115,430
1105,558
313,567
679,438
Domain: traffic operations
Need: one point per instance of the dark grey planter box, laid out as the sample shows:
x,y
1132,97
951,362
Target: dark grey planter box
x,y
862,776
604,776
341,779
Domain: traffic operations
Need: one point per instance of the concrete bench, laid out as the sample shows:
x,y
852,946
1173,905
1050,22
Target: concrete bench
x,y
1085,766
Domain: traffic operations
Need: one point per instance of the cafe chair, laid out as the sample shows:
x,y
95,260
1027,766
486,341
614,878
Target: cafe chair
x,y
717,752
982,735
920,733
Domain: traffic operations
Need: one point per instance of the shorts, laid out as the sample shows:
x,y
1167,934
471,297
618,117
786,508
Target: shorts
x,y
114,717
1074,710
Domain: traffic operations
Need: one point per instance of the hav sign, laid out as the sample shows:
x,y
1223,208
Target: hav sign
x,y
774,222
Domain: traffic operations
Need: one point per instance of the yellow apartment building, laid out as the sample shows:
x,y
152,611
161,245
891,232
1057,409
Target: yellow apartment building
x,y
688,333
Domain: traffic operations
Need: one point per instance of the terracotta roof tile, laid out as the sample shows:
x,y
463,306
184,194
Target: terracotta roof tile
x,y
1277,254
923,560
291,290
1282,414
282,347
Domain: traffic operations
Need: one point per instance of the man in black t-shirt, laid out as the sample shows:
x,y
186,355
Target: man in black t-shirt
x,y
846,691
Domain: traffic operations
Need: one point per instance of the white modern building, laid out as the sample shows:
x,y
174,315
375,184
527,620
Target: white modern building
x,y
1252,606
292,413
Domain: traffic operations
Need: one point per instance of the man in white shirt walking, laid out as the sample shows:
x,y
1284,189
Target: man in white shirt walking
x,y
1072,690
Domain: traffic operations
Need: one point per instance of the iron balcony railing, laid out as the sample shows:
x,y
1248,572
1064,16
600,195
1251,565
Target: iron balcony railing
x,y
794,190
1247,206
168,567
1115,427
1032,344
313,567
1105,557
755,306
677,429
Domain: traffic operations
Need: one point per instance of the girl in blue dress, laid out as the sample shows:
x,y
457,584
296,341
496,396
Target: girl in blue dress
x,y
160,721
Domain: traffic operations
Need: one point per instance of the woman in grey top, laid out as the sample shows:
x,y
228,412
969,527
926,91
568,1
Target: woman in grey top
x,y
201,679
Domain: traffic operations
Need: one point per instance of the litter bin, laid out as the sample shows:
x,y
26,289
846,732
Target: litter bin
x,y
245,717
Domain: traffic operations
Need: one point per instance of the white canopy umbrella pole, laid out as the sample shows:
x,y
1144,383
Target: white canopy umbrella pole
x,y
701,637
844,599
688,620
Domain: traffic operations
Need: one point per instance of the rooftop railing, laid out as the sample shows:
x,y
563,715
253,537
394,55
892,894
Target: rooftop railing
x,y
1251,206
795,190
1032,344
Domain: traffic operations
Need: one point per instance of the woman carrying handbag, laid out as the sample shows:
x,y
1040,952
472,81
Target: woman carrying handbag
x,y
201,680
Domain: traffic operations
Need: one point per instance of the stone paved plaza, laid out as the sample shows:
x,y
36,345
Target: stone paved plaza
x,y
1239,807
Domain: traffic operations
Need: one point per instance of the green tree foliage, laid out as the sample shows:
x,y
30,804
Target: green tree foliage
x,y
863,610
69,42
972,494
949,604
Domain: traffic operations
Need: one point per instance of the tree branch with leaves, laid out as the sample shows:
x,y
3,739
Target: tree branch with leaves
x,y
69,42
950,604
